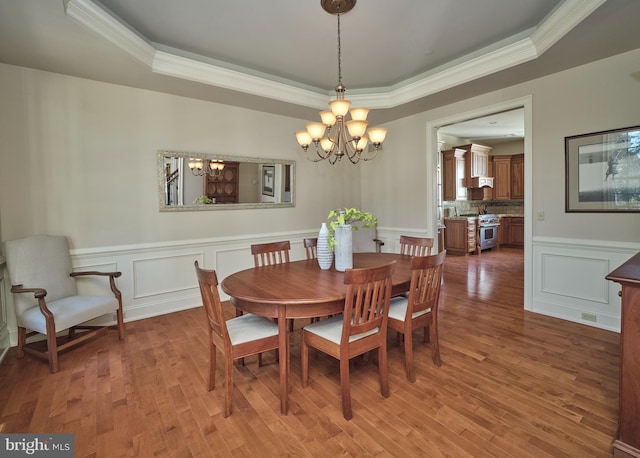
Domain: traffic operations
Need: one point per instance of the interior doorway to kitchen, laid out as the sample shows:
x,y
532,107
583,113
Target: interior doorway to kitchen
x,y
442,134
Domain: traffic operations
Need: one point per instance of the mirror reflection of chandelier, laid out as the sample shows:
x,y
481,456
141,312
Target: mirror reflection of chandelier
x,y
343,138
212,168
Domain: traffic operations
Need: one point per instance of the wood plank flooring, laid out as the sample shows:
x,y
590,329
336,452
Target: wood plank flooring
x,y
512,384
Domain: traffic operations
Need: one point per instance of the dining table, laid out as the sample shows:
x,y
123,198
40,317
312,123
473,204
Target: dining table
x,y
300,289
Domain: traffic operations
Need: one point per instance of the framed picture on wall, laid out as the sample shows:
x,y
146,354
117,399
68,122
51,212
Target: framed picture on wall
x,y
268,180
602,171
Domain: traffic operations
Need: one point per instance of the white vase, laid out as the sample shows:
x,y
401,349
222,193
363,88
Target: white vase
x,y
344,248
323,251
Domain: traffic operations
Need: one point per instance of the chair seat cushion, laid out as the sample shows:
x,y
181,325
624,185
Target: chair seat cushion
x,y
331,330
68,312
398,309
248,327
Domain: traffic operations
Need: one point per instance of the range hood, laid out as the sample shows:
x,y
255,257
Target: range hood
x,y
481,182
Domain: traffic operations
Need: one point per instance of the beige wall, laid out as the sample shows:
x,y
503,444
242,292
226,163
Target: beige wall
x,y
599,96
79,158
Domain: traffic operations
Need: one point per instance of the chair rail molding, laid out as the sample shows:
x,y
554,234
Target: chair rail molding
x,y
583,297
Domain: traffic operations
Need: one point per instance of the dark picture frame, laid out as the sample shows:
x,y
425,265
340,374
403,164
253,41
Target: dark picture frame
x,y
602,171
268,180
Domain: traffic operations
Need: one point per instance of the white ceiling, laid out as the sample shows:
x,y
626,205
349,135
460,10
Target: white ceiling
x,y
489,130
398,57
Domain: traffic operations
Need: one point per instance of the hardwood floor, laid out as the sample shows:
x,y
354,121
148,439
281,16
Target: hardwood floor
x,y
512,383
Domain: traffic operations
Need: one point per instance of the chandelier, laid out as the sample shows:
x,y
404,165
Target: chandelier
x,y
343,138
213,168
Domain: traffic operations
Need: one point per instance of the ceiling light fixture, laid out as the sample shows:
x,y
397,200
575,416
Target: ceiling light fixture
x,y
212,168
349,138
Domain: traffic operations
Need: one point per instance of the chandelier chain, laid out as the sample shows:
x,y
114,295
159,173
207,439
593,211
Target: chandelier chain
x,y
336,136
339,53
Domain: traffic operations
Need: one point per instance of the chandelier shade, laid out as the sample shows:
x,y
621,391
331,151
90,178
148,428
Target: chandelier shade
x,y
213,168
335,136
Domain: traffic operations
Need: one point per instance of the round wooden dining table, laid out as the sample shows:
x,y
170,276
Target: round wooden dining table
x,y
300,289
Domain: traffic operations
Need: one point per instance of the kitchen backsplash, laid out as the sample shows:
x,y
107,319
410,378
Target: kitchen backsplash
x,y
501,207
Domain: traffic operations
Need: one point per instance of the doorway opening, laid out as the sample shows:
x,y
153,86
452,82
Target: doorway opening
x,y
486,127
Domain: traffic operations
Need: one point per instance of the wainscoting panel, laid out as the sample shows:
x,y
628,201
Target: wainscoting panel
x,y
161,275
569,280
565,276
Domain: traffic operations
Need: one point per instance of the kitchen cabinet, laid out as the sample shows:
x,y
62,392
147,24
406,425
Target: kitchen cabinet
x,y
453,169
224,186
508,177
627,441
460,235
517,176
511,231
476,162
502,177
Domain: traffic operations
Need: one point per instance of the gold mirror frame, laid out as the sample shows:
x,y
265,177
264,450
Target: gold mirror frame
x,y
188,206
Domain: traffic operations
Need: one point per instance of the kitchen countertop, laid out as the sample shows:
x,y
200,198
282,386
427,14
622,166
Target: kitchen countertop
x,y
500,215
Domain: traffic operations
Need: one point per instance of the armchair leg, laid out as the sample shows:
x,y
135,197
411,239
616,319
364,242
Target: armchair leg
x,y
52,352
22,341
120,318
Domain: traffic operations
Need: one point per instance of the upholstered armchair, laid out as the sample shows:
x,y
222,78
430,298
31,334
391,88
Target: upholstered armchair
x,y
46,298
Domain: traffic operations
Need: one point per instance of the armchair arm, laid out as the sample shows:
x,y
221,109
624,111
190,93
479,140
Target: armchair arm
x,y
112,282
95,272
38,292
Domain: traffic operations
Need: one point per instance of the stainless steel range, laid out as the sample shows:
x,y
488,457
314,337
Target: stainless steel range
x,y
488,231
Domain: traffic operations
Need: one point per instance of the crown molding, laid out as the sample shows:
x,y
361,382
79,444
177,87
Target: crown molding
x,y
193,70
99,21
473,66
560,21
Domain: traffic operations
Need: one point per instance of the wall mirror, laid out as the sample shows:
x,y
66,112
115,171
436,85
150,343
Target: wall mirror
x,y
195,182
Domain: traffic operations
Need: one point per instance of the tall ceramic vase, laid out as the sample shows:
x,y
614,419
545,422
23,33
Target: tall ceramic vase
x,y
344,248
323,251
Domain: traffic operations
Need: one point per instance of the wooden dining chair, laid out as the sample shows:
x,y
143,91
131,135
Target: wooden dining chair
x,y
268,254
311,245
415,246
362,327
419,309
236,338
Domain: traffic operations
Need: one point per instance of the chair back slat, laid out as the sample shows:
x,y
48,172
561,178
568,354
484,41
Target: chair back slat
x,y
426,278
368,296
311,245
415,246
268,254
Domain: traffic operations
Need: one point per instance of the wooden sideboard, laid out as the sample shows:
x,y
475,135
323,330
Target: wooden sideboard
x,y
627,442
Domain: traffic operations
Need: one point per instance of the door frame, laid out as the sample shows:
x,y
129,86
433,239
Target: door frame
x,y
432,152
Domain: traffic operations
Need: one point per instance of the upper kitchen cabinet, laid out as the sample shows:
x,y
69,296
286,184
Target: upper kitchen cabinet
x,y
502,177
466,173
476,164
453,175
517,176
509,177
